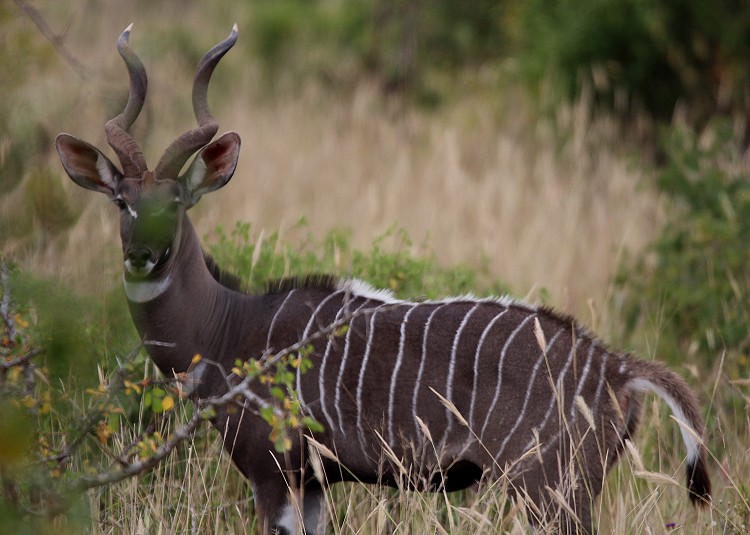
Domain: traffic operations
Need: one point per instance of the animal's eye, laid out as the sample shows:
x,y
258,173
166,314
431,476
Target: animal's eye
x,y
122,205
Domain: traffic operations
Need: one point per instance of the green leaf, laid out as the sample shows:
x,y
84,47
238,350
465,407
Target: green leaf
x,y
312,424
113,422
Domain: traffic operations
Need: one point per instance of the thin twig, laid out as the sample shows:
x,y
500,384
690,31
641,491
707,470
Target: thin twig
x,y
5,312
54,39
23,359
89,422
206,409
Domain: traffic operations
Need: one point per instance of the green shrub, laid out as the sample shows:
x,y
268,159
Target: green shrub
x,y
695,277
653,53
24,139
392,262
397,41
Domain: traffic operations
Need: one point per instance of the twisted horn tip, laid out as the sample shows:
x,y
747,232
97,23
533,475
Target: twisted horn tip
x,y
231,38
123,40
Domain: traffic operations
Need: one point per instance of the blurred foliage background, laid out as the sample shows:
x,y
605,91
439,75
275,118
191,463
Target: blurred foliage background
x,y
669,80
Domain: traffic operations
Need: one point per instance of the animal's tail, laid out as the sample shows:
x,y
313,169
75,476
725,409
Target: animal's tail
x,y
652,376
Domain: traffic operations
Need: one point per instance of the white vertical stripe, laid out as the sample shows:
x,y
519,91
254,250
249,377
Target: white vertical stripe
x,y
573,412
529,389
600,386
557,395
315,312
275,316
500,363
361,380
394,377
581,381
321,377
344,358
421,371
305,334
452,370
548,443
476,364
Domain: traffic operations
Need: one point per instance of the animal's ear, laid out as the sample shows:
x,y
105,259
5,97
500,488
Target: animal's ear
x,y
213,167
86,165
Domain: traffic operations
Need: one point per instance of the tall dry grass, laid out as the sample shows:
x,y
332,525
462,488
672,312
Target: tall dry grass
x,y
482,179
198,491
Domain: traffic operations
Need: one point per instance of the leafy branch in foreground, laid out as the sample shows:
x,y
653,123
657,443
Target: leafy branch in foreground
x,y
283,413
47,459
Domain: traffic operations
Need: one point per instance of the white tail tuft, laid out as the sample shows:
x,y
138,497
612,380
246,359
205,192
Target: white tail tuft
x,y
689,435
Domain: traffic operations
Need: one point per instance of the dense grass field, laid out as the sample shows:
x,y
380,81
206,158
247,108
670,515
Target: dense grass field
x,y
550,205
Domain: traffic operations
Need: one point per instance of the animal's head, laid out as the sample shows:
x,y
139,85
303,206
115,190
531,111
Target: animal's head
x,y
153,203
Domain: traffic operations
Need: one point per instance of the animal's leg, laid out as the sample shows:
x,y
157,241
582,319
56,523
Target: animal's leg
x,y
314,508
276,513
280,512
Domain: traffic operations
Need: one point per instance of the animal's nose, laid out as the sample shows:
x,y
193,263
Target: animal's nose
x,y
139,257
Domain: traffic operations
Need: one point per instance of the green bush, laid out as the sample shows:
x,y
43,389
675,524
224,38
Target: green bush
x,y
24,138
695,277
392,262
399,42
652,52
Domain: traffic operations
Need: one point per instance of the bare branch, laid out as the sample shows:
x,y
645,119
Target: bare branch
x,y
89,422
53,38
5,312
142,465
22,360
206,409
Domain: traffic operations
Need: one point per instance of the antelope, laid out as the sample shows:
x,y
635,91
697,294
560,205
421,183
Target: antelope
x,y
456,391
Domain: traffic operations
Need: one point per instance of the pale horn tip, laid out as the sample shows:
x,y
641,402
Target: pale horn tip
x,y
124,37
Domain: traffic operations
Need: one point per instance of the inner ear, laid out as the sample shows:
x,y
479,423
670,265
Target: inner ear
x,y
86,165
213,166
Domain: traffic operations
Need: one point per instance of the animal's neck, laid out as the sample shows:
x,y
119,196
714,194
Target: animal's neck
x,y
181,312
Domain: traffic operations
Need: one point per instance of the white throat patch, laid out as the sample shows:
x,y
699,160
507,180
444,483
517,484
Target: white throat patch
x,y
145,291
